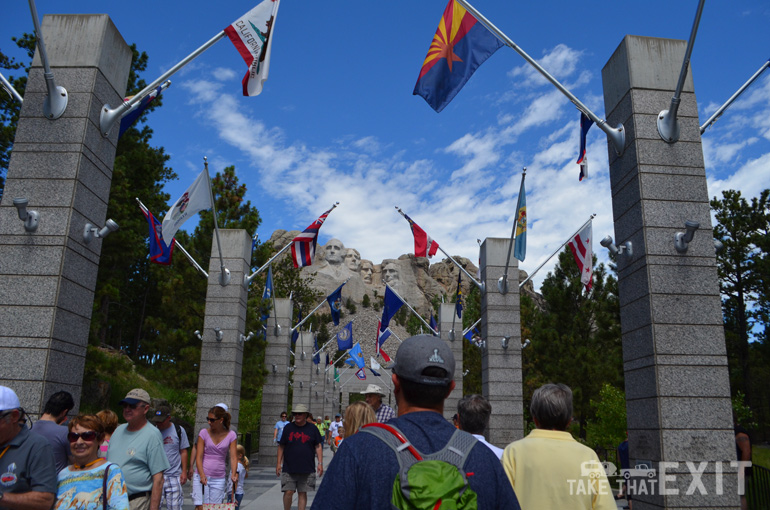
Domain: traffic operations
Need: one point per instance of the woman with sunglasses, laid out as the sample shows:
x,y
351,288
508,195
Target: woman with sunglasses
x,y
279,425
90,483
213,446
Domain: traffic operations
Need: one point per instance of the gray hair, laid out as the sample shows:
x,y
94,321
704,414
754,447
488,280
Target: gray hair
x,y
551,406
473,412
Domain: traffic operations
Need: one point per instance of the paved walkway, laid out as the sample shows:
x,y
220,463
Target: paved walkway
x,y
262,489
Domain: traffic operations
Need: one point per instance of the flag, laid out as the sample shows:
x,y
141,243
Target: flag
x,y
160,253
251,35
374,372
381,337
350,361
303,246
520,246
336,375
357,355
583,253
585,125
345,337
460,46
424,246
392,303
335,303
469,334
433,324
374,364
317,356
128,120
459,296
195,199
361,374
295,333
328,361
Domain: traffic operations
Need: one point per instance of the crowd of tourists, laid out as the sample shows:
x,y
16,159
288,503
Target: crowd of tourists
x,y
382,460
92,463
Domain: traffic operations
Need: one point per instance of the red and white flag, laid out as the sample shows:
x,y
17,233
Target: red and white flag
x,y
381,337
303,246
252,35
424,246
582,250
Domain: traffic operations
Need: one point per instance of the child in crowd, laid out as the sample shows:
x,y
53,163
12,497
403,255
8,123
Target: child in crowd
x,y
340,437
243,472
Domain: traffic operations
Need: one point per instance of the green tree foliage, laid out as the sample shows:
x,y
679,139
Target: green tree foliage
x,y
608,428
576,340
742,228
9,107
471,352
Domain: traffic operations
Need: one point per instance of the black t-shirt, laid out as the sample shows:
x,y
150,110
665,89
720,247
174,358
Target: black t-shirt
x,y
299,447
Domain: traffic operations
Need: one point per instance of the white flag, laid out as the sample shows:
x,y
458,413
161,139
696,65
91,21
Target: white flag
x,y
196,199
582,249
374,365
252,35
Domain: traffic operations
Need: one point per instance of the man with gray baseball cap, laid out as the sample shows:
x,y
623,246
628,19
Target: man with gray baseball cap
x,y
423,377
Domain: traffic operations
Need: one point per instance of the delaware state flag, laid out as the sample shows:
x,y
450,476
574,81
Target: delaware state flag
x,y
460,46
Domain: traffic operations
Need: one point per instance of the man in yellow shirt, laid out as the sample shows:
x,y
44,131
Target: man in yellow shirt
x,y
549,469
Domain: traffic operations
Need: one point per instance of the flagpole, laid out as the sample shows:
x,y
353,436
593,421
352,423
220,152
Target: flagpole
x,y
277,329
224,275
178,244
617,135
735,96
56,101
412,309
163,86
528,278
316,308
478,283
465,332
502,283
9,88
109,116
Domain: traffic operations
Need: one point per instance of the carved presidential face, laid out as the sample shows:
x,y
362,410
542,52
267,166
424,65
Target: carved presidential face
x,y
335,251
390,274
353,260
367,271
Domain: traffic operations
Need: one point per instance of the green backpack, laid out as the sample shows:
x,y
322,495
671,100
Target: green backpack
x,y
429,482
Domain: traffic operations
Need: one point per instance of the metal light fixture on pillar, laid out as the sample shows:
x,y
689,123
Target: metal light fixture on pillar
x,y
30,218
91,232
683,239
624,249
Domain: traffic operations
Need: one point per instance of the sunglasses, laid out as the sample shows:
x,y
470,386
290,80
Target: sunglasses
x,y
212,420
131,406
88,436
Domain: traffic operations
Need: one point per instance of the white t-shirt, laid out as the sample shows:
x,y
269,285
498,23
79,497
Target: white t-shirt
x,y
333,428
241,478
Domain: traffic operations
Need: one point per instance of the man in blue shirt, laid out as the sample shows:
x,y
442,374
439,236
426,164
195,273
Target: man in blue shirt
x,y
362,472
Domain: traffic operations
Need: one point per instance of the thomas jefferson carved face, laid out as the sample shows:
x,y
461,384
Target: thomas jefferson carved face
x,y
353,260
334,252
367,271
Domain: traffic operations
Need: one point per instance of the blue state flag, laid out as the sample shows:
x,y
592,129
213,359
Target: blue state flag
x,y
160,252
520,247
335,303
317,356
392,304
357,355
459,296
345,337
433,324
131,117
461,44
295,333
267,294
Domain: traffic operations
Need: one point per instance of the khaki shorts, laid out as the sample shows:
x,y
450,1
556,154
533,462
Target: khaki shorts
x,y
300,482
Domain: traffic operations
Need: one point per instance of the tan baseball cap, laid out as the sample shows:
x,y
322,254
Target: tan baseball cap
x,y
135,396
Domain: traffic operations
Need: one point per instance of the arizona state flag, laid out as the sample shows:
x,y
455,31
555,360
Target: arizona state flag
x,y
460,46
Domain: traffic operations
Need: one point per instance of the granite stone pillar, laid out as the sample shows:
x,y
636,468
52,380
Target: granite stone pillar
x,y
64,168
446,312
677,386
501,379
222,360
302,368
275,391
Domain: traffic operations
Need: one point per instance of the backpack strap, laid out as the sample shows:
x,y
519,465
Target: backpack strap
x,y
457,449
406,454
104,486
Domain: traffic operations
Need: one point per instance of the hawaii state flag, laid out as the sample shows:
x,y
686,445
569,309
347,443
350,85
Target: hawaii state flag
x,y
160,253
424,246
583,252
585,125
460,46
303,246
252,36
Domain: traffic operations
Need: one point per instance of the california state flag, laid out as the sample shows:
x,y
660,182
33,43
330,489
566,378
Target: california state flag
x,y
252,35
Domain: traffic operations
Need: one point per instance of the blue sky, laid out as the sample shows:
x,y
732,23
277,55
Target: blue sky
x,y
337,120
